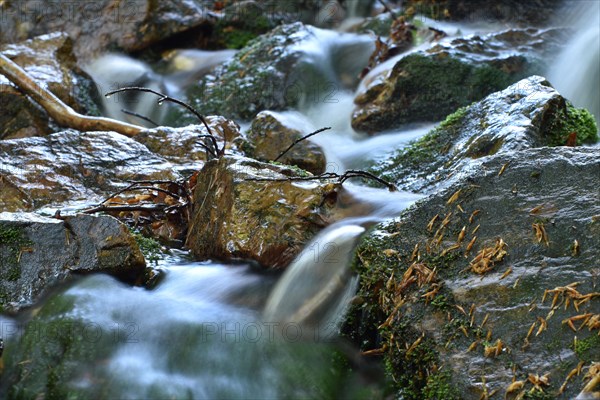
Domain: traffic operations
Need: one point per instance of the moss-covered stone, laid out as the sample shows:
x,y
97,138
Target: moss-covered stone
x,y
529,113
428,85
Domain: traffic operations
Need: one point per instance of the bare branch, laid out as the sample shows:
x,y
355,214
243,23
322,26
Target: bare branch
x,y
140,116
56,109
301,139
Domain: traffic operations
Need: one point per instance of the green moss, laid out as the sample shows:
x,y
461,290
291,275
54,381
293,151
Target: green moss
x,y
151,249
12,241
439,387
569,120
586,349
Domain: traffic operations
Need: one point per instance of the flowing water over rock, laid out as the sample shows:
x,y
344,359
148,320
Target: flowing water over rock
x,y
213,330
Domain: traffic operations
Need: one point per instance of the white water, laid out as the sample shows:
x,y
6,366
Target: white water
x,y
576,73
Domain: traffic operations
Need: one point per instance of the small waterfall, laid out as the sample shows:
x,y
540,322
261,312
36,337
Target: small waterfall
x,y
576,72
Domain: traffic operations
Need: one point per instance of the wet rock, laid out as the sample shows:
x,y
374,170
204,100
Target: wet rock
x,y
272,133
428,85
464,288
528,114
37,252
73,166
265,221
101,26
287,67
537,12
50,62
180,145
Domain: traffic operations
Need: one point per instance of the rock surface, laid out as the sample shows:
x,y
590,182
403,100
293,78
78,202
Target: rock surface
x,y
37,252
50,62
271,134
101,26
72,166
287,67
265,221
456,297
529,113
428,85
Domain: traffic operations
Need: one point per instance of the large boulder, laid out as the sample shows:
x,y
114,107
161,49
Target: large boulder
x,y
529,113
72,166
247,209
489,284
428,85
37,252
291,66
272,133
50,62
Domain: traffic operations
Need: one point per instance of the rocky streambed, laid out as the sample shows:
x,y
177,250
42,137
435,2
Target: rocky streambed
x,y
139,267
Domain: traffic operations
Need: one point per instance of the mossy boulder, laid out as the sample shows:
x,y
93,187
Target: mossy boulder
x,y
247,209
37,252
73,166
272,133
477,286
529,113
284,68
428,85
50,62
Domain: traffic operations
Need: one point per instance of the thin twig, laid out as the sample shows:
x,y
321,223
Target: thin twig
x,y
140,116
162,98
301,139
353,173
56,109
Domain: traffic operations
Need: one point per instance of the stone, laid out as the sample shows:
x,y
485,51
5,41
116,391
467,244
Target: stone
x,y
272,133
72,166
529,113
236,217
438,299
50,62
428,85
38,252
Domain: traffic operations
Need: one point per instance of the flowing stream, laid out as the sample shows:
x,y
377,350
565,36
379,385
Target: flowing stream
x,y
211,330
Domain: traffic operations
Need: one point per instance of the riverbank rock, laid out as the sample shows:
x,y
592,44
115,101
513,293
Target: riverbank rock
x,y
272,133
490,282
288,67
239,213
50,62
101,26
428,85
529,113
37,252
72,166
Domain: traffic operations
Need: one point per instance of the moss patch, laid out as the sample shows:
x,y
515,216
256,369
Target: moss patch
x,y
12,241
578,120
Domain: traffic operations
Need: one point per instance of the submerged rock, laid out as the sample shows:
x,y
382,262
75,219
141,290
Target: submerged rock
x,y
474,287
428,85
73,166
37,252
530,113
50,62
272,133
239,213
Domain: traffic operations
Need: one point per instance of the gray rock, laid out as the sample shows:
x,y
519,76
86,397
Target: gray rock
x,y
529,113
428,85
73,166
37,252
545,208
50,62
